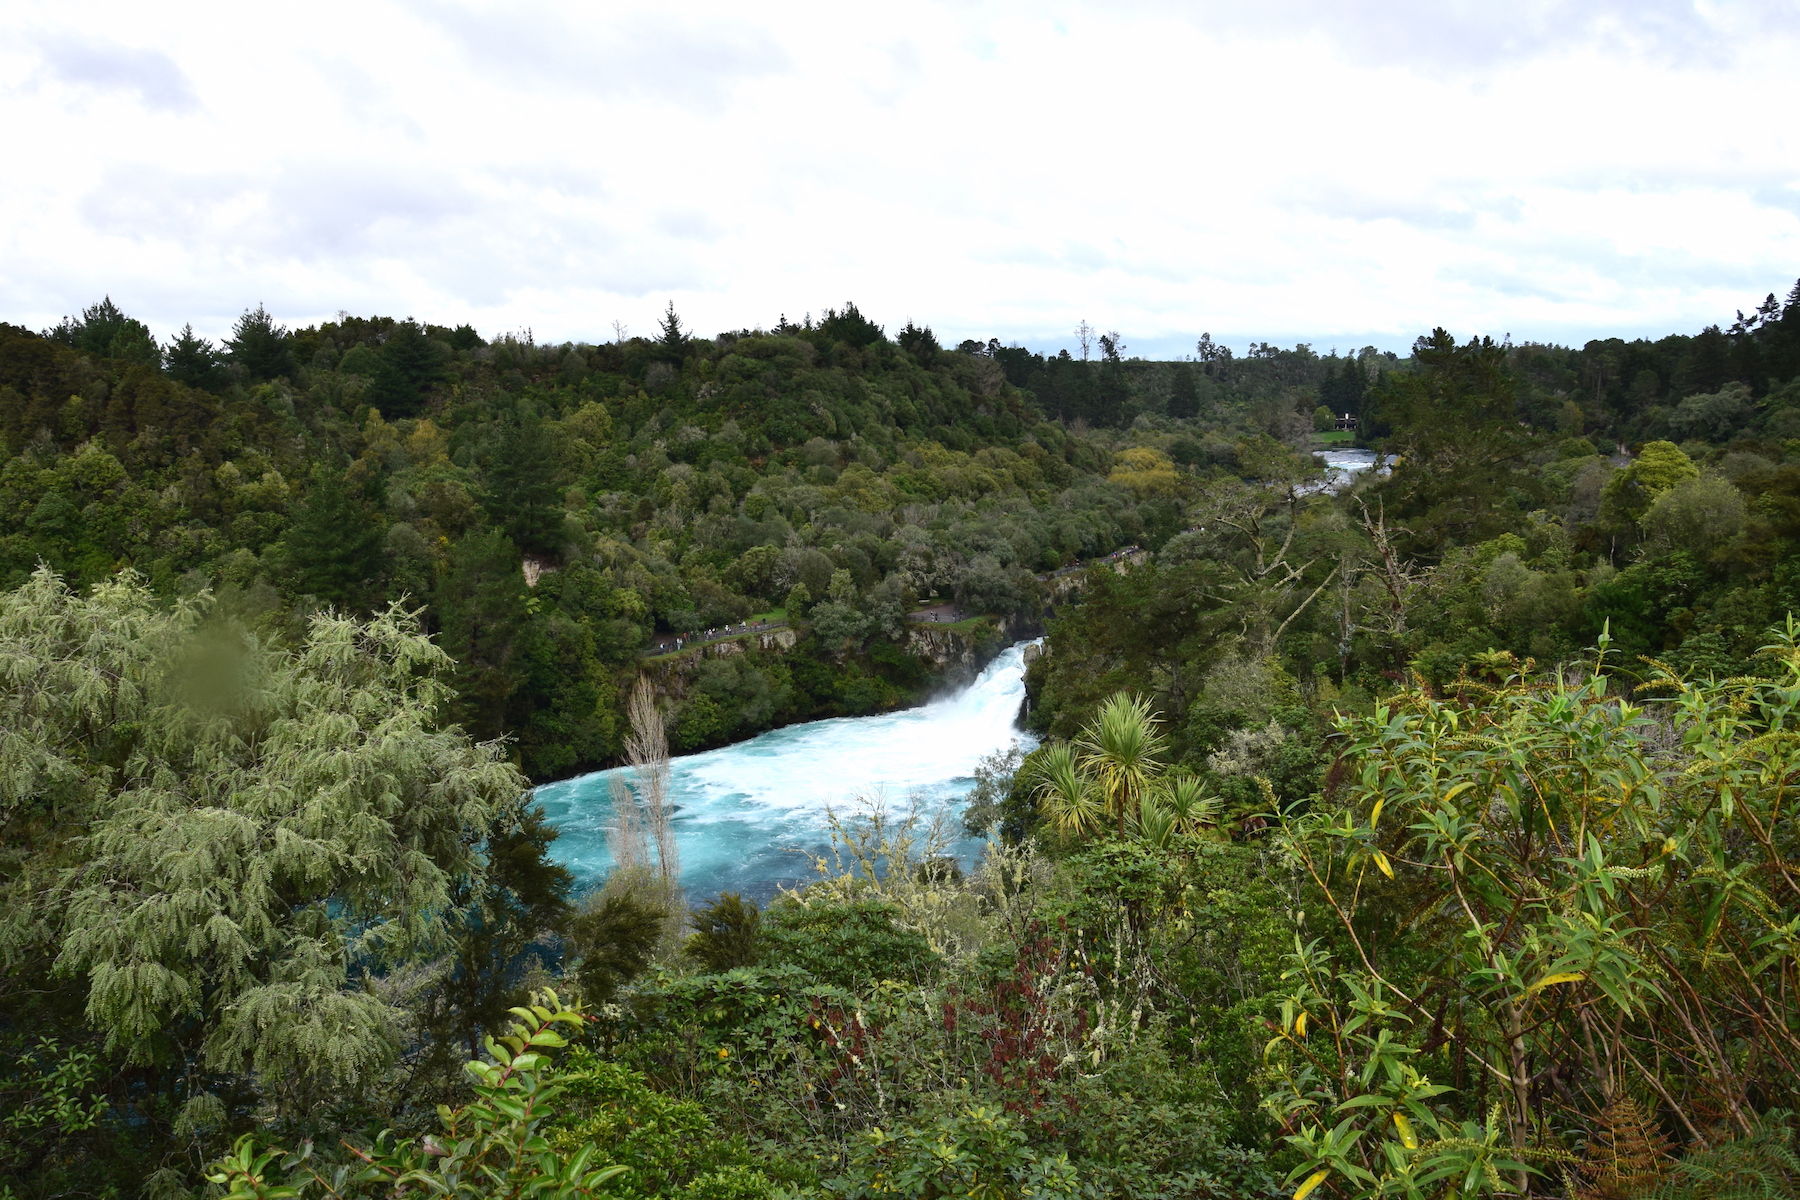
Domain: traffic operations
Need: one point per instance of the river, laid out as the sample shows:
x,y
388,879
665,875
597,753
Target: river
x,y
1342,464
751,816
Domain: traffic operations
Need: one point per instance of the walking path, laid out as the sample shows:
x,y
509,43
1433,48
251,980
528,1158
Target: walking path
x,y
939,614
1108,560
675,644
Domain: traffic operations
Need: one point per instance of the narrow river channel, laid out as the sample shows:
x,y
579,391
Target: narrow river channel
x,y
750,817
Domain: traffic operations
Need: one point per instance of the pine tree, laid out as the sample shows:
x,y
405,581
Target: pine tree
x,y
1342,391
1460,448
614,936
1184,397
409,363
334,546
482,615
259,346
672,342
1783,337
507,920
848,325
193,360
105,332
725,933
1111,389
522,489
919,342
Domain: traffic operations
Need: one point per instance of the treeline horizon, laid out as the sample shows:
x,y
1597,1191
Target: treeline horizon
x,y
1623,377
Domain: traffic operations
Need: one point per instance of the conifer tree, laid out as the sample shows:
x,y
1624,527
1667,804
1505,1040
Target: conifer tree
x,y
482,616
920,342
506,921
1184,397
334,546
193,360
259,346
521,478
409,363
725,933
848,325
672,341
105,332
1458,442
1343,392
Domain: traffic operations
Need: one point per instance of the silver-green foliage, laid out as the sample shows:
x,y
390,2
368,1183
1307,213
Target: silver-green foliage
x,y
217,832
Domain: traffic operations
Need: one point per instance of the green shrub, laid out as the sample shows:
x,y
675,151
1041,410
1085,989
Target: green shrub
x,y
846,944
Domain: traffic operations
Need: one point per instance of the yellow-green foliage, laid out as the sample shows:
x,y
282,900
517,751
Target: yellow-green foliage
x,y
1146,472
1607,891
668,1146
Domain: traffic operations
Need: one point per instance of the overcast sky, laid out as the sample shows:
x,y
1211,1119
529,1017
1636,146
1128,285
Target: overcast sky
x,y
1339,173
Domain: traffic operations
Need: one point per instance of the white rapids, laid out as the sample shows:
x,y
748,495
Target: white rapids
x,y
1342,464
752,816
1346,461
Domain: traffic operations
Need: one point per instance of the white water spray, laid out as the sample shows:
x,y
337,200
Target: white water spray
x,y
751,816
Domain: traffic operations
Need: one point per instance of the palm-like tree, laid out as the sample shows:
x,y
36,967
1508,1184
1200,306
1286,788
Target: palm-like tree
x,y
1069,798
1114,772
1121,751
1174,806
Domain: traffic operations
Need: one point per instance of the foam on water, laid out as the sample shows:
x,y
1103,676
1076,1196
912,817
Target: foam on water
x,y
751,816
1342,464
1348,459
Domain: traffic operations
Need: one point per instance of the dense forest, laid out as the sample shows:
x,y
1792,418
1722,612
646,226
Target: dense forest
x,y
1418,834
654,487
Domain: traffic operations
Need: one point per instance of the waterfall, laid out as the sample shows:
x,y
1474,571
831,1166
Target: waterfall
x,y
751,816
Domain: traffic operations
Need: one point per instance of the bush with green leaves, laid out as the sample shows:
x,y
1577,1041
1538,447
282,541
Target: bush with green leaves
x,y
849,943
668,1145
977,1152
727,933
495,1147
1593,889
611,938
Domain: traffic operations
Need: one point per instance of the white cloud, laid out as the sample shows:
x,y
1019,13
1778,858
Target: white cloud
x,y
87,62
1341,173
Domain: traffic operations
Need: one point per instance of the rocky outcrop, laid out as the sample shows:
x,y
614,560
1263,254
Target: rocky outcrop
x,y
777,639
959,655
1060,585
954,655
940,646
670,673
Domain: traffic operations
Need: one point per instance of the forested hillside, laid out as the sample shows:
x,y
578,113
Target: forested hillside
x,y
1529,502
1420,834
655,488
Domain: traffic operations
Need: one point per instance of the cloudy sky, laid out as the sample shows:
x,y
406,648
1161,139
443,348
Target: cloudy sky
x,y
1340,173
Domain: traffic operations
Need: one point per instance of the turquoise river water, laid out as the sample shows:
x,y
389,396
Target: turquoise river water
x,y
751,817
